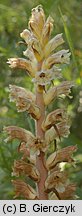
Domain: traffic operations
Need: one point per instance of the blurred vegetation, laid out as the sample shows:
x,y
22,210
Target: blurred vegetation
x,y
14,15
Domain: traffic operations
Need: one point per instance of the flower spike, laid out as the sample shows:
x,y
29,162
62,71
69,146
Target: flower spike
x,y
42,63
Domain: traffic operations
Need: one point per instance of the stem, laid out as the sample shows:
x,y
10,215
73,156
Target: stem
x,y
40,159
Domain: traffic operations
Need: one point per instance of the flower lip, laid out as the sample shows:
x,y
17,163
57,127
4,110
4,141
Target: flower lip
x,y
60,57
44,77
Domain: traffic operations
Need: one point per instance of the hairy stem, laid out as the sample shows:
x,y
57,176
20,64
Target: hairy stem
x,y
40,133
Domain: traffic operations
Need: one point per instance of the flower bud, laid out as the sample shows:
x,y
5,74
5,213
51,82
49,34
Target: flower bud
x,y
48,27
26,35
36,22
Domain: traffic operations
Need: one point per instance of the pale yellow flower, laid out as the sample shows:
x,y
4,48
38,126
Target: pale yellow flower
x,y
26,35
37,20
44,77
53,44
48,27
25,101
63,88
61,57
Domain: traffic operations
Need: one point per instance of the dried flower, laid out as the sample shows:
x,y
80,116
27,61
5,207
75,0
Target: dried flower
x,y
27,155
56,180
63,155
42,64
28,169
68,194
23,135
21,188
53,118
61,130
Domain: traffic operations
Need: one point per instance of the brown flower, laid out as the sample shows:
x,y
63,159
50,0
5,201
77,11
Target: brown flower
x,y
22,167
63,155
56,180
53,118
23,135
61,129
23,189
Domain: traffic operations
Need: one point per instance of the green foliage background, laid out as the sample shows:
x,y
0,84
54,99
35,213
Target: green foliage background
x,y
14,15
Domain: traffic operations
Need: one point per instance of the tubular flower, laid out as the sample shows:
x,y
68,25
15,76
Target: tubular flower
x,y
26,153
43,63
29,54
21,167
22,64
61,57
21,188
46,32
25,101
21,134
53,118
53,44
45,77
69,193
55,92
63,155
26,35
56,180
16,91
61,130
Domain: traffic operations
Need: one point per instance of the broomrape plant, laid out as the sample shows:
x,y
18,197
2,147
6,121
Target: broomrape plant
x,y
43,66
